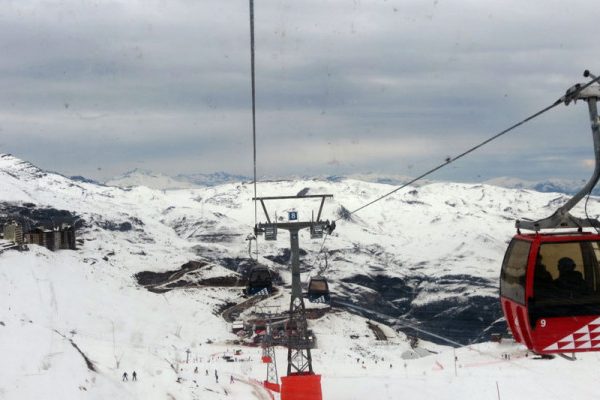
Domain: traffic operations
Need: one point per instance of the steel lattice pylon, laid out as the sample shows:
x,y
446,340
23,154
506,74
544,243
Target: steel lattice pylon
x,y
268,355
298,340
299,357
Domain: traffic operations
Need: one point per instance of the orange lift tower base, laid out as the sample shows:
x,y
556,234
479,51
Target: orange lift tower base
x,y
301,386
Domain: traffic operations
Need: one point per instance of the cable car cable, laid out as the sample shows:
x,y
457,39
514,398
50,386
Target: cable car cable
x,y
325,234
251,4
564,99
451,160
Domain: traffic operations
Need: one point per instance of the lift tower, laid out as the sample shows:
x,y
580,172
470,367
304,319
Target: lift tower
x,y
301,381
268,351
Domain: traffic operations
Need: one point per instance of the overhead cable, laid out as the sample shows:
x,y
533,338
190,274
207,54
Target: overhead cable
x,y
253,111
565,99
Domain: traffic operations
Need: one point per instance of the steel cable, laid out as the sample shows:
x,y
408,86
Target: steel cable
x,y
564,99
252,73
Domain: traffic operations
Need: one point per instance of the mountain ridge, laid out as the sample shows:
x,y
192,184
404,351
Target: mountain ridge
x,y
156,180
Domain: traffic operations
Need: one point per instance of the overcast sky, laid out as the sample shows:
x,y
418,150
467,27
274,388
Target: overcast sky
x,y
96,88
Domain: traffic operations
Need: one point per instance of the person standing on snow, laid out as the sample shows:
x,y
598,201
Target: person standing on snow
x,y
125,376
134,376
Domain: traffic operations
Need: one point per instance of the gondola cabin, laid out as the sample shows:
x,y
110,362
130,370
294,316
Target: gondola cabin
x,y
259,280
318,290
550,282
550,291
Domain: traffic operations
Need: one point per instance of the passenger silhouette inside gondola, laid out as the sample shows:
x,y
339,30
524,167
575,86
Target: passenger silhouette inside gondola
x,y
543,283
569,282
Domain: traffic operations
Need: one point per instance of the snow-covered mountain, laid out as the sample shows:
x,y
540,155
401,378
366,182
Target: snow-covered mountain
x,y
567,186
72,321
213,179
373,177
155,180
149,179
552,185
430,254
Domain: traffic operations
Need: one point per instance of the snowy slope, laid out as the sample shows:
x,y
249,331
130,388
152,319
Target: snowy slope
x,y
213,179
546,186
429,254
153,180
434,248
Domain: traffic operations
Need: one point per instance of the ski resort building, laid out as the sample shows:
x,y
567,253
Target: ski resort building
x,y
13,232
53,239
67,237
40,236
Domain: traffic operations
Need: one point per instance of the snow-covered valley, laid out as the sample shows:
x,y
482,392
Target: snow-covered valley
x,y
72,322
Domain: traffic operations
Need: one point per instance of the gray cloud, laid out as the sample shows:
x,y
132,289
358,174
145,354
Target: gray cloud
x,y
342,86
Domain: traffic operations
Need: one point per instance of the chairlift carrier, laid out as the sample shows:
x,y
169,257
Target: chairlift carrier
x,y
318,290
259,278
550,280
